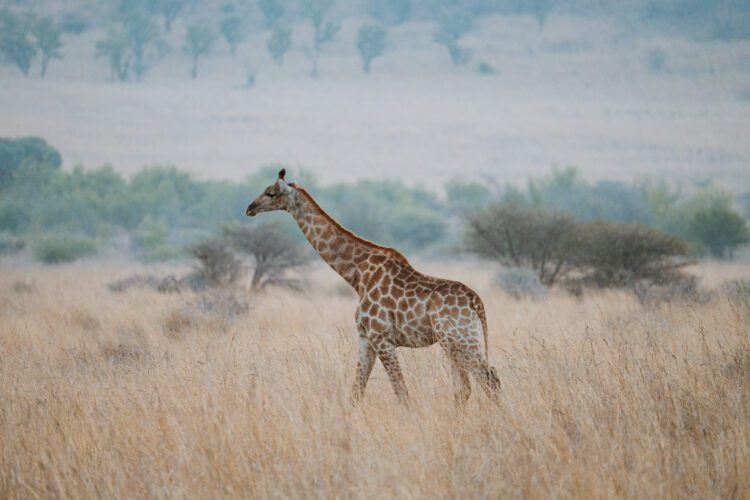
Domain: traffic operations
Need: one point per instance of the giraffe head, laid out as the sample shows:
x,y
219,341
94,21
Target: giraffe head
x,y
278,196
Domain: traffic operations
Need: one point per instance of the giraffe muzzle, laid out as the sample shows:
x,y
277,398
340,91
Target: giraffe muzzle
x,y
250,212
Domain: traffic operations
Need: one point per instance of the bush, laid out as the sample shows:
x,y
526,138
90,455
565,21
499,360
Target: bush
x,y
216,264
627,255
416,227
596,254
274,254
520,282
518,236
485,68
720,229
10,245
737,289
57,248
14,153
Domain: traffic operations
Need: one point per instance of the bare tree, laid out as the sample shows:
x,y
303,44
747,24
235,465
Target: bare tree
x,y
274,254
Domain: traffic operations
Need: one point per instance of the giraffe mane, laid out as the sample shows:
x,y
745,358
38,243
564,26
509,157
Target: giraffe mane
x,y
398,256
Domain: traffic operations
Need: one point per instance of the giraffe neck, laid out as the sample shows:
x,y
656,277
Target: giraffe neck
x,y
341,249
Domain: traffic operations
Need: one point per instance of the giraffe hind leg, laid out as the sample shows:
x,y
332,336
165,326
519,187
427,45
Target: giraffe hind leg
x,y
464,346
461,383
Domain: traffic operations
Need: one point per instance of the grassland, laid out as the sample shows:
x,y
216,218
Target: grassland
x,y
133,394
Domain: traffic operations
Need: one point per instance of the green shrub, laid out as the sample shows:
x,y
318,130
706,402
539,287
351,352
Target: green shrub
x,y
485,68
720,229
56,248
416,227
14,153
10,244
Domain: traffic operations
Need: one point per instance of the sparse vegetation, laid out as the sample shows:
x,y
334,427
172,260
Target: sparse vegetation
x,y
58,248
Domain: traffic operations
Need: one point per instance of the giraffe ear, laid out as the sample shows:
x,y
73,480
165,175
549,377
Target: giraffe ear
x,y
282,173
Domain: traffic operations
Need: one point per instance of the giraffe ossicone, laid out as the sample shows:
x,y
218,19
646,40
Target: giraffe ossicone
x,y
398,306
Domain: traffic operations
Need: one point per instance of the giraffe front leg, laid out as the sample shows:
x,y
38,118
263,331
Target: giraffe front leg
x,y
387,355
364,367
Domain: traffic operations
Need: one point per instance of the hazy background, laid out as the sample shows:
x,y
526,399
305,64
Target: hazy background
x,y
619,89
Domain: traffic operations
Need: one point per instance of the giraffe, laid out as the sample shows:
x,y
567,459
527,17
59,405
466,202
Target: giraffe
x,y
398,306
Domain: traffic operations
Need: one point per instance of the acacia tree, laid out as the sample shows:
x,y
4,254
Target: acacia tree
x,y
169,9
47,34
370,43
198,40
324,31
274,254
16,43
453,24
116,49
231,31
272,11
141,31
279,42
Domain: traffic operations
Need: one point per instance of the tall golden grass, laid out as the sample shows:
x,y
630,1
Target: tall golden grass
x,y
131,394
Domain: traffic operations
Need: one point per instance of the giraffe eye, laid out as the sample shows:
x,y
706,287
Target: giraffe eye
x,y
270,195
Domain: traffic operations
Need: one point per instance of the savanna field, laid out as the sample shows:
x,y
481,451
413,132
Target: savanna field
x,y
185,395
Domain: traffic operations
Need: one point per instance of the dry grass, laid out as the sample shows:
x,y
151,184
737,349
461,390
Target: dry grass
x,y
114,395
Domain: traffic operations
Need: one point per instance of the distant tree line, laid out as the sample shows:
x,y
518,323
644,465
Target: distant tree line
x,y
161,209
135,31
